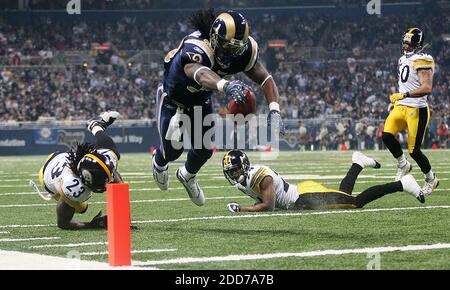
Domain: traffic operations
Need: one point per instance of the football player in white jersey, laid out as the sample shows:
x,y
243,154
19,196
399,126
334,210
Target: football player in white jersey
x,y
271,191
410,108
71,177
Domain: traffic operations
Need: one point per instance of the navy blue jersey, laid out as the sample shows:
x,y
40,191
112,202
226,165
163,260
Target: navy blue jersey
x,y
195,48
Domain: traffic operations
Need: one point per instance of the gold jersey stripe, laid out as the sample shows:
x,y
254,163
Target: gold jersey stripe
x,y
256,176
261,176
252,61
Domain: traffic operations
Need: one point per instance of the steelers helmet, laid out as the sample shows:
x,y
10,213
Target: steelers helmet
x,y
229,36
412,41
95,171
235,166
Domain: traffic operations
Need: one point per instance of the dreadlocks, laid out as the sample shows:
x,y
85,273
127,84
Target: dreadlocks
x,y
77,153
202,20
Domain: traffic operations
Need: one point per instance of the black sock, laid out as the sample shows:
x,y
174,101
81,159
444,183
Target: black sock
x,y
349,180
421,160
392,144
377,191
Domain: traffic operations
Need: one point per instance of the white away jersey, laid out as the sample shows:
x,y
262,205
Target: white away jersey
x,y
59,178
286,194
408,78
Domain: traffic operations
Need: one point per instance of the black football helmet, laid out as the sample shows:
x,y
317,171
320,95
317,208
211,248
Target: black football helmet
x,y
95,171
412,41
235,166
229,36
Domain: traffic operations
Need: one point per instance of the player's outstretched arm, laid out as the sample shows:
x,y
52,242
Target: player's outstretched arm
x,y
268,197
65,221
212,81
261,76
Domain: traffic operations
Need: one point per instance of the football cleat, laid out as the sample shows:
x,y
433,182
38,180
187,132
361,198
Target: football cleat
x,y
364,161
402,171
411,186
193,189
430,185
161,177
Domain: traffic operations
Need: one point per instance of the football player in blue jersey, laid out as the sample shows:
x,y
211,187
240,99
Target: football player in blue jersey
x,y
220,47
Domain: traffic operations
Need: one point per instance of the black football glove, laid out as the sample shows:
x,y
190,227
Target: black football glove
x,y
274,119
104,120
235,90
234,207
98,222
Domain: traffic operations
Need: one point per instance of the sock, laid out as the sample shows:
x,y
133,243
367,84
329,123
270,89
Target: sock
x,y
159,167
401,161
429,176
186,173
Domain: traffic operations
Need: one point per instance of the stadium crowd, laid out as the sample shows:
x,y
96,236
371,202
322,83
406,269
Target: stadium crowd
x,y
352,81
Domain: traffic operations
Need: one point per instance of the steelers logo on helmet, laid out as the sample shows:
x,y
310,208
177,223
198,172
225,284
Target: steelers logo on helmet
x,y
235,166
229,36
95,171
412,41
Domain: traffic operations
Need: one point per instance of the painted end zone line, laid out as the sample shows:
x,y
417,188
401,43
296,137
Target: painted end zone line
x,y
320,253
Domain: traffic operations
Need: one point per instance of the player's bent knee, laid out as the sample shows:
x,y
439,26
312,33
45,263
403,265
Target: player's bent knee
x,y
388,138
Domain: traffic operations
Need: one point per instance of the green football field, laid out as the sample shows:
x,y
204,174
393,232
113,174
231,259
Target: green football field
x,y
394,232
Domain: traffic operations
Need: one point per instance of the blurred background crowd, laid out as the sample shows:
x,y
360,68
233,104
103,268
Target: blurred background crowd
x,y
334,70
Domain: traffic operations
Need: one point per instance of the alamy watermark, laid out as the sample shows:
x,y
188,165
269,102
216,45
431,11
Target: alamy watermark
x,y
374,262
374,7
198,131
73,7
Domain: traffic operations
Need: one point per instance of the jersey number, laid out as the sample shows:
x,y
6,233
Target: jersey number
x,y
76,183
56,171
404,74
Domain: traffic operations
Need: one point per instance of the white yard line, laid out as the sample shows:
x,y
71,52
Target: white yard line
x,y
243,216
68,245
132,201
4,233
320,253
29,239
11,260
133,252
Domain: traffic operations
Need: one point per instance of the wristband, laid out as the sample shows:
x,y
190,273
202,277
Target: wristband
x,y
221,84
274,106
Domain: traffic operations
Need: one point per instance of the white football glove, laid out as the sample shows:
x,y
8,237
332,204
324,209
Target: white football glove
x,y
103,121
234,207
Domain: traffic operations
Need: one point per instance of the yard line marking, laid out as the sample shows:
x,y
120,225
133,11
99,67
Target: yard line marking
x,y
290,214
319,253
256,215
29,239
67,245
17,193
26,226
131,201
133,252
4,233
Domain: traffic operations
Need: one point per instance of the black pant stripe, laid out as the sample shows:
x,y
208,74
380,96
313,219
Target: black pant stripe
x,y
421,127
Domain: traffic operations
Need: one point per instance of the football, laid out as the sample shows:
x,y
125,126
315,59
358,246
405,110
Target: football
x,y
249,107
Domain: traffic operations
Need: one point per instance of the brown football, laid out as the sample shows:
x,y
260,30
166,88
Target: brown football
x,y
249,107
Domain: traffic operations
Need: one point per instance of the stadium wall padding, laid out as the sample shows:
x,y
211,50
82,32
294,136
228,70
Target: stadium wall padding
x,y
41,141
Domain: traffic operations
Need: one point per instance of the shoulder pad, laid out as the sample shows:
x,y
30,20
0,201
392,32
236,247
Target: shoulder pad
x,y
254,54
197,51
